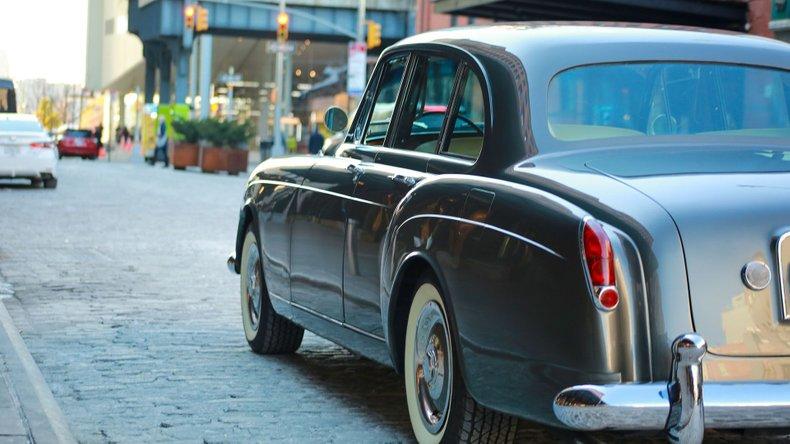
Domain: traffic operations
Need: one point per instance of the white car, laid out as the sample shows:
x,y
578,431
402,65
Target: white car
x,y
27,151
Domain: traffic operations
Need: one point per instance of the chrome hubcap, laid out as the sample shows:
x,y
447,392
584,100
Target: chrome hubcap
x,y
254,286
433,366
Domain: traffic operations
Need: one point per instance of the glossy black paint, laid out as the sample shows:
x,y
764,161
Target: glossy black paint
x,y
342,241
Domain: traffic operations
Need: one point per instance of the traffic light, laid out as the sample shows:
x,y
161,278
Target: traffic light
x,y
202,19
189,17
282,27
374,34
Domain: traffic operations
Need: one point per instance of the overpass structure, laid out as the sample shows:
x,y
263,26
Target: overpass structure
x,y
160,26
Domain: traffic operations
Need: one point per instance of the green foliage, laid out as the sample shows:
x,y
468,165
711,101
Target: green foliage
x,y
220,133
187,130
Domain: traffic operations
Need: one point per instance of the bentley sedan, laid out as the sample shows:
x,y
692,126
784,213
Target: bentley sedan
x,y
587,226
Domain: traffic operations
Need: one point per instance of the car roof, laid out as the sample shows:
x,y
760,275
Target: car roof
x,y
588,33
595,42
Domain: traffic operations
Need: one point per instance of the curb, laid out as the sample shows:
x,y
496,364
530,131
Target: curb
x,y
44,418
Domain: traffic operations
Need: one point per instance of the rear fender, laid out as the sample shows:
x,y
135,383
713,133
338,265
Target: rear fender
x,y
509,262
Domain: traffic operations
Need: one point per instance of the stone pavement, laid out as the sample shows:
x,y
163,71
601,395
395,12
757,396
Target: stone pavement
x,y
122,296
28,411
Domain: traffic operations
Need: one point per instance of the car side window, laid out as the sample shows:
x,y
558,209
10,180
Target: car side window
x,y
386,98
426,106
468,129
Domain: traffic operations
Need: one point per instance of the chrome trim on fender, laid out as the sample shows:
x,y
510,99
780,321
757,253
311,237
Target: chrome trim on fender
x,y
676,406
317,190
783,290
484,225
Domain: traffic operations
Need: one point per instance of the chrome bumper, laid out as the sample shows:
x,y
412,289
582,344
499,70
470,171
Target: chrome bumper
x,y
232,263
676,406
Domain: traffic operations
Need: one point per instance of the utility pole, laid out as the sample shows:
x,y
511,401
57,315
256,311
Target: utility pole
x,y
206,47
277,146
361,21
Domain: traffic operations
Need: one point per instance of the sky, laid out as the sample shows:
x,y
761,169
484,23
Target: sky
x,y
44,39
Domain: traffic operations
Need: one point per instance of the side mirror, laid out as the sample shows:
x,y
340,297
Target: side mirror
x,y
335,119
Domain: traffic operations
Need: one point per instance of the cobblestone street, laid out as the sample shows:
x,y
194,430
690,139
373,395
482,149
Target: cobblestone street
x,y
117,281
124,300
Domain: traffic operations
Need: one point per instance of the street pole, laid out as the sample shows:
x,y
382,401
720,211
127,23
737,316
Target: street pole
x,y
361,21
361,12
277,146
206,47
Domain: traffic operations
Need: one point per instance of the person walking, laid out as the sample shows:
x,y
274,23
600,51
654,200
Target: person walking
x,y
97,134
316,141
160,152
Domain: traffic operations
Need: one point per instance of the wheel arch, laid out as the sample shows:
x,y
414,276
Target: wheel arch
x,y
246,217
413,266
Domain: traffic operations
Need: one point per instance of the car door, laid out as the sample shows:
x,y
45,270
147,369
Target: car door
x,y
318,234
402,160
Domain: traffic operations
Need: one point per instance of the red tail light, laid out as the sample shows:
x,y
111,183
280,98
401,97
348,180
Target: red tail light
x,y
599,259
41,145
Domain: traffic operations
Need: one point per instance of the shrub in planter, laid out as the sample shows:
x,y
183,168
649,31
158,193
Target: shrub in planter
x,y
185,149
227,145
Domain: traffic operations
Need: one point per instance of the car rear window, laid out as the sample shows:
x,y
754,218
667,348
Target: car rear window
x,y
644,100
20,125
77,133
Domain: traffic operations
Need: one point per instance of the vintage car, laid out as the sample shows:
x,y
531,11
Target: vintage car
x,y
583,225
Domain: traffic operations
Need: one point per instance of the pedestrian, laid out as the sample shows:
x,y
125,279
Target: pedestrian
x,y
97,133
160,152
316,141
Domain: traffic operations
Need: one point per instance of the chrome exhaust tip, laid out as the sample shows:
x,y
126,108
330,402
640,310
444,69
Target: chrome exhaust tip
x,y
232,264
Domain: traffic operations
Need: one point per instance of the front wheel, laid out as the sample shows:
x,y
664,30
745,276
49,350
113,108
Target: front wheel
x,y
266,331
440,408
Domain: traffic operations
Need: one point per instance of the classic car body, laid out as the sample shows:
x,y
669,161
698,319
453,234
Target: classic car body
x,y
344,237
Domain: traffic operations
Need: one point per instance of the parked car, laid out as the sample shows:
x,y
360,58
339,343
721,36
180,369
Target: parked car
x,y
594,231
78,142
26,150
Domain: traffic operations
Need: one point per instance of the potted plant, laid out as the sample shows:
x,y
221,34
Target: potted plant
x,y
185,152
224,145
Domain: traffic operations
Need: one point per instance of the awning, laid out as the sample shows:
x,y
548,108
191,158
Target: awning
x,y
721,14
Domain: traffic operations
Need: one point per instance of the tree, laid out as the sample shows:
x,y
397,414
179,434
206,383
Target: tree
x,y
49,117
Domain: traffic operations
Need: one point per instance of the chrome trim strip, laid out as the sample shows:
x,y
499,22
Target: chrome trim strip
x,y
317,190
783,296
327,318
484,225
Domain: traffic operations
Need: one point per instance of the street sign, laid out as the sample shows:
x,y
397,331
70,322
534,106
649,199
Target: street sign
x,y
357,68
284,47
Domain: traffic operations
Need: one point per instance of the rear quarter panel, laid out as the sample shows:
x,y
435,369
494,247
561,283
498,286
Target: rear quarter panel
x,y
513,280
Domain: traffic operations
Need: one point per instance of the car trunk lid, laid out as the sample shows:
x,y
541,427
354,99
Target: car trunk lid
x,y
731,207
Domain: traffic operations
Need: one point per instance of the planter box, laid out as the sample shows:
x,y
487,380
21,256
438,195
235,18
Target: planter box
x,y
232,160
185,155
237,161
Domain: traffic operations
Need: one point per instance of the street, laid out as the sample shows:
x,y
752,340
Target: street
x,y
124,301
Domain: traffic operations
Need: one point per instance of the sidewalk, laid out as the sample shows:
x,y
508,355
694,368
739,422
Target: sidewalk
x,y
28,411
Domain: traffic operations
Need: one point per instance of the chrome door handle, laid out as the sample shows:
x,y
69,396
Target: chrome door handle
x,y
406,181
356,172
355,169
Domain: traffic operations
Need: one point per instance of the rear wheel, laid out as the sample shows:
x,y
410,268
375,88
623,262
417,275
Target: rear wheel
x,y
266,331
440,408
50,182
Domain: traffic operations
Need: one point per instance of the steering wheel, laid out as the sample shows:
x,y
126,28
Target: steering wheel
x,y
469,121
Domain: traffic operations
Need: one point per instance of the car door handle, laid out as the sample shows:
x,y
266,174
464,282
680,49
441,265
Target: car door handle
x,y
355,169
356,172
406,181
